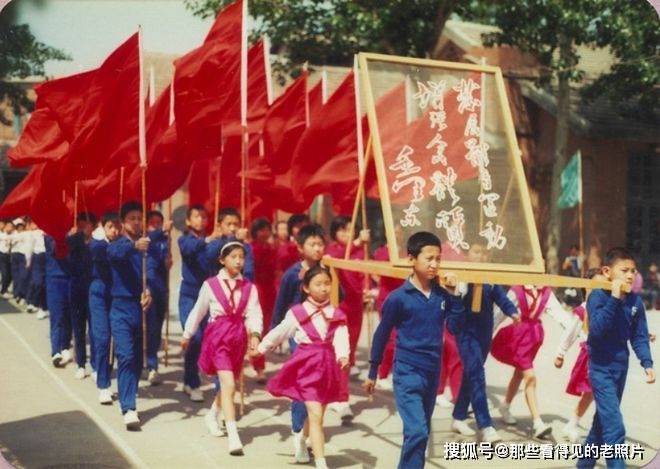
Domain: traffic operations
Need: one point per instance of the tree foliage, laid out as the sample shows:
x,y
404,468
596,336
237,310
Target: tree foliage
x,y
21,56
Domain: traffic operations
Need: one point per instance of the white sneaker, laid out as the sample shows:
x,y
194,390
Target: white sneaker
x,y
461,426
542,430
30,309
385,384
571,433
6,295
211,420
154,378
490,435
105,396
94,376
80,373
506,415
131,420
234,444
57,360
442,401
21,302
354,371
194,394
300,448
66,356
41,314
343,409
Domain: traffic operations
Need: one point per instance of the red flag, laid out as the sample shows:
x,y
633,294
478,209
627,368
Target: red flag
x,y
41,140
207,86
19,200
325,159
108,115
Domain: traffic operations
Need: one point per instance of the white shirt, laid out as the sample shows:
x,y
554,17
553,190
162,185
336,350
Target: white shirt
x,y
207,303
553,308
290,327
22,243
99,233
38,242
5,245
572,332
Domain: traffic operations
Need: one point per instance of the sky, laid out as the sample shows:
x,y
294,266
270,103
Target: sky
x,y
88,30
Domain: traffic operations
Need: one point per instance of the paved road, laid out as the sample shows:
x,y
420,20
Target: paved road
x,y
50,419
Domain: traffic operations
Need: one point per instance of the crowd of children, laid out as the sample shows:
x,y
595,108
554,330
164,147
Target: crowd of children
x,y
243,294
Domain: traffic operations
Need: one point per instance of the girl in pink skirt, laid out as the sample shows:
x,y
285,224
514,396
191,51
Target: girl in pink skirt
x,y
517,345
235,313
313,374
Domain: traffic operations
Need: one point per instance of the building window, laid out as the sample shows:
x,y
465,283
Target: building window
x,y
643,227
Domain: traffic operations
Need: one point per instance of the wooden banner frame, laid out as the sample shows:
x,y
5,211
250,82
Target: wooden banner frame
x,y
537,265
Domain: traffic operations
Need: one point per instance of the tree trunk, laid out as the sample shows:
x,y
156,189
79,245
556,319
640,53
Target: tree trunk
x,y
443,13
561,139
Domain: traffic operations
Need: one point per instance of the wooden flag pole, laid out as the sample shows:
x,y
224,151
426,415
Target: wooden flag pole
x,y
143,173
75,203
142,147
121,187
166,342
243,95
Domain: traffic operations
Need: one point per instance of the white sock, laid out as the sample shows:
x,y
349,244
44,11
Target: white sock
x,y
574,421
214,409
232,429
538,422
320,463
505,405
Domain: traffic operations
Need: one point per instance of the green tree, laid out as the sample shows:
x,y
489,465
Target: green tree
x,y
330,32
21,56
552,31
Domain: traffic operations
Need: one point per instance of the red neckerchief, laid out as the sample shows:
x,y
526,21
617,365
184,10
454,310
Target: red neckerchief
x,y
237,284
318,309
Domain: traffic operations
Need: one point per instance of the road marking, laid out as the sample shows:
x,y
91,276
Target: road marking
x,y
124,447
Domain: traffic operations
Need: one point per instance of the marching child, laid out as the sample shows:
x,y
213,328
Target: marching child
x,y
5,262
194,271
128,302
287,250
313,374
229,226
58,279
517,344
311,247
233,305
37,288
264,268
473,340
418,310
20,257
615,319
100,301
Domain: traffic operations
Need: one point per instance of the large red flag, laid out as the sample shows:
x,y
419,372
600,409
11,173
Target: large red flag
x,y
315,98
109,114
40,141
207,85
326,158
19,200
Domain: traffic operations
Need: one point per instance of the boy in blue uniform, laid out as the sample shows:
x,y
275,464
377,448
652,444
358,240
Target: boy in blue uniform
x,y
128,301
473,339
229,226
58,279
418,310
311,247
80,259
158,232
194,270
614,319
100,301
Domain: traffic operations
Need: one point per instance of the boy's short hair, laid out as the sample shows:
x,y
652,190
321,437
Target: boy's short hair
x,y
617,254
194,207
86,216
337,224
419,240
109,217
228,212
155,213
130,206
258,225
309,231
296,219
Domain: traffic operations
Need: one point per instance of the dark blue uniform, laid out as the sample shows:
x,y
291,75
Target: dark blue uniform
x,y
612,324
194,270
80,260
159,293
473,338
58,279
36,295
126,317
419,322
100,300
